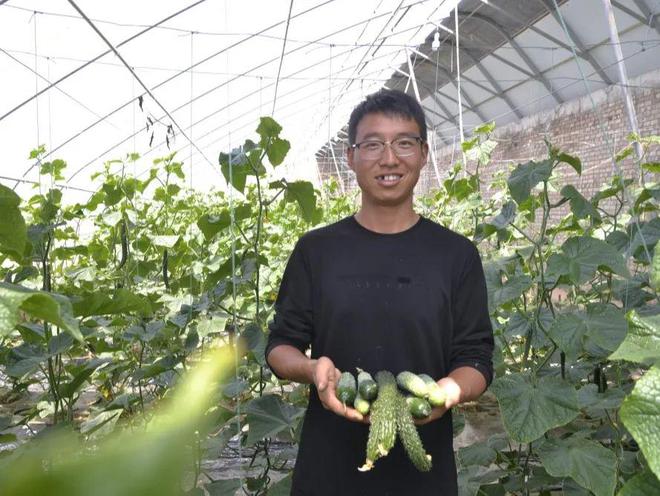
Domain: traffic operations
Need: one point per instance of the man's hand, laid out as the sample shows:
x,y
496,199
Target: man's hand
x,y
326,376
452,397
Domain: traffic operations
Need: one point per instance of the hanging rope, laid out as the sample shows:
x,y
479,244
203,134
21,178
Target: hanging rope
x,y
279,69
36,90
330,145
458,86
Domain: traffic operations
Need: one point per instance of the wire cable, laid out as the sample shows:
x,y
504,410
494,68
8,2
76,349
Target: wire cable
x,y
137,78
279,69
77,69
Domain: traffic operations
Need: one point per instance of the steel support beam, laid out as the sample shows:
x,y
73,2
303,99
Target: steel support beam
x,y
650,17
548,4
523,55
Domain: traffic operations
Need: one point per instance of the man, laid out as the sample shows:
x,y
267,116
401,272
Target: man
x,y
385,289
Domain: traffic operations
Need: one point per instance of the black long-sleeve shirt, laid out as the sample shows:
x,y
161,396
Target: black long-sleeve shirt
x,y
414,300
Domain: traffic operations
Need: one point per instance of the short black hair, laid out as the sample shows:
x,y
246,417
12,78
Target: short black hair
x,y
390,103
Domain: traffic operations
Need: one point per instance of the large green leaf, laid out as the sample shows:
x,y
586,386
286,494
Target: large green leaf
x,y
223,487
121,302
527,176
588,463
530,409
598,331
640,414
277,150
476,454
302,192
580,206
647,233
50,307
500,291
13,233
582,256
269,415
654,278
644,484
642,343
211,224
282,487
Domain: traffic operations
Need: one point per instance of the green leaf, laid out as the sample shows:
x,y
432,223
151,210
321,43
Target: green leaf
x,y
268,128
211,224
282,487
644,484
640,414
255,341
598,331
529,409
642,343
652,167
501,292
236,173
505,217
588,463
165,241
13,232
647,233
476,454
121,302
571,160
41,305
527,176
654,277
223,487
582,256
277,151
302,192
268,416
580,207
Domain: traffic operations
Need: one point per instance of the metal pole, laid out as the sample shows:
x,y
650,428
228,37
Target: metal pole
x,y
623,76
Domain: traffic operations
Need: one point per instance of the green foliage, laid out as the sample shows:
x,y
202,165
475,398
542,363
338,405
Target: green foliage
x,y
118,316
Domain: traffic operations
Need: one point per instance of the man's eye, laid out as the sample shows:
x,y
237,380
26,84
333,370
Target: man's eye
x,y
371,145
405,143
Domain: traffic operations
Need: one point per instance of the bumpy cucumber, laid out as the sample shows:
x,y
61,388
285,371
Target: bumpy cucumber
x,y
367,387
346,388
412,383
360,404
418,407
436,395
382,432
410,438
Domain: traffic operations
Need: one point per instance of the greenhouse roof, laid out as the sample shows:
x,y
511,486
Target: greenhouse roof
x,y
95,81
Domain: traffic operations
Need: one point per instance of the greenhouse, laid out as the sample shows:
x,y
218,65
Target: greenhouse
x,y
321,247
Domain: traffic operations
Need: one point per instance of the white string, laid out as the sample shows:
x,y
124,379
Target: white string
x,y
36,100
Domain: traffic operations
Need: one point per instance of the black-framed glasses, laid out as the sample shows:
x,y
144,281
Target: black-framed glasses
x,y
372,149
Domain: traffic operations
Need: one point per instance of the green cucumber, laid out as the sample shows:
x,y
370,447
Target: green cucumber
x,y
436,395
367,387
412,383
418,407
360,404
382,431
410,437
346,388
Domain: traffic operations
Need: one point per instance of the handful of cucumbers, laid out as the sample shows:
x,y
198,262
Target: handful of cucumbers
x,y
393,410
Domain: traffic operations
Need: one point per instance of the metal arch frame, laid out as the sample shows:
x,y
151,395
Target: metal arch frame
x,y
578,43
649,17
536,73
497,91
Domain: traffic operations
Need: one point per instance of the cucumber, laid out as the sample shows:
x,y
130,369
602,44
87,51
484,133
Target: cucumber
x,y
346,388
412,383
410,437
436,395
418,407
382,431
361,404
367,387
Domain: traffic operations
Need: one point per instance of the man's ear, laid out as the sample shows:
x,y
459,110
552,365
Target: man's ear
x,y
350,157
425,153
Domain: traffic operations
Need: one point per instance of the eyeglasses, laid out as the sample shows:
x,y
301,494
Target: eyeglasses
x,y
402,147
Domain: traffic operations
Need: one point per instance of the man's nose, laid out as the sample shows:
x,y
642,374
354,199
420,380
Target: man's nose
x,y
389,157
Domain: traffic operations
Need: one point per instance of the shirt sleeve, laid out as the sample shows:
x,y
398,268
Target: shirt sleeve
x,y
472,340
292,322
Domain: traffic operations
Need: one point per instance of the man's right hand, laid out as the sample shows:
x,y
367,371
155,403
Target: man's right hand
x,y
325,376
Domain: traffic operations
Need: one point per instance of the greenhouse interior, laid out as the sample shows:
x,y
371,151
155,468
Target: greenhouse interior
x,y
322,247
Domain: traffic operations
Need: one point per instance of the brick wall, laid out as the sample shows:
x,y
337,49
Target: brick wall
x,y
576,128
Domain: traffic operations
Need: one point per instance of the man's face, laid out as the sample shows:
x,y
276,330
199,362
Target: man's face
x,y
388,180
